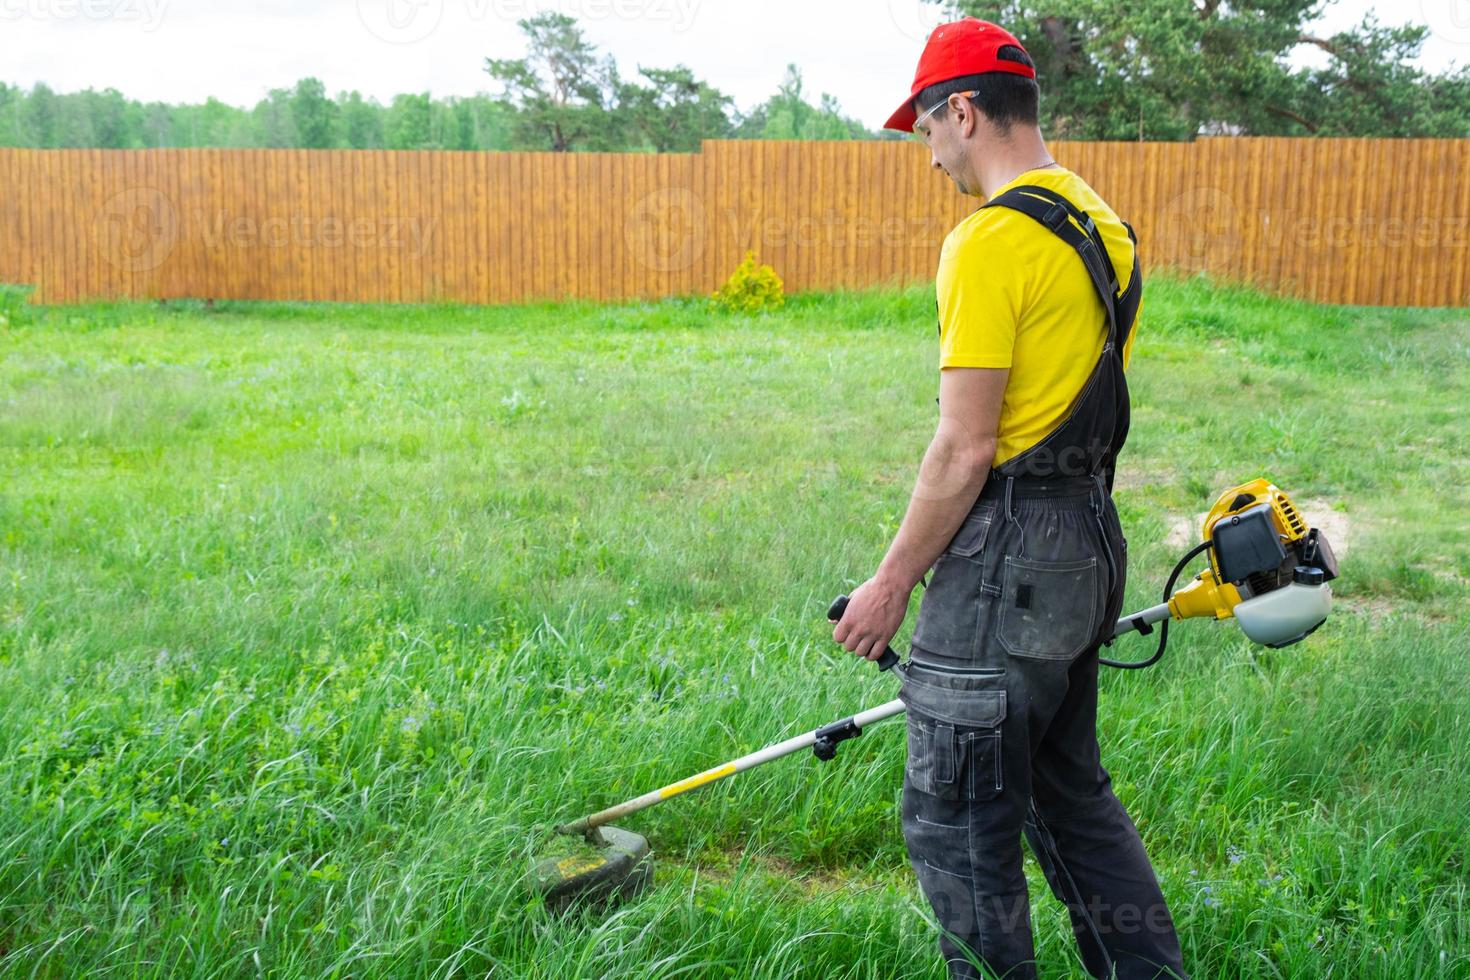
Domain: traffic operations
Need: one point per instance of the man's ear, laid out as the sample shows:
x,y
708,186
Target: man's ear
x,y
967,116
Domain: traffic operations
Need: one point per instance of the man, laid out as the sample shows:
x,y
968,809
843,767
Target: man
x,y
1037,294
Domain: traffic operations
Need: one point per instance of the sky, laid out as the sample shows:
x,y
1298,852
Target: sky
x,y
861,51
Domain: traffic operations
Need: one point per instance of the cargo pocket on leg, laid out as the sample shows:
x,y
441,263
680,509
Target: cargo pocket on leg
x,y
932,762
1048,609
981,752
954,731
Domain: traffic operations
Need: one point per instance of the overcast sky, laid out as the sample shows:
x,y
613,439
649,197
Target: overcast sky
x,y
862,51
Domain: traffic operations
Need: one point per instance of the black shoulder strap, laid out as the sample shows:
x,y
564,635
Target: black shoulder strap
x,y
1077,229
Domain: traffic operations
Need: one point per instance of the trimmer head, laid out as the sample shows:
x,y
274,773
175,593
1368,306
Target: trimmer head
x,y
603,864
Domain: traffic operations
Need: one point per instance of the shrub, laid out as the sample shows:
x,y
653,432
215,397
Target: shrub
x,y
751,288
13,309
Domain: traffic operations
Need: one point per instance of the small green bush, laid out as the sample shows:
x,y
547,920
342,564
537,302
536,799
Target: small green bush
x,y
13,309
751,288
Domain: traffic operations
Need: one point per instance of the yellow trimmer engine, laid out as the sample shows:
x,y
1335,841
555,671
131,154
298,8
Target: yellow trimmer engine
x,y
1268,568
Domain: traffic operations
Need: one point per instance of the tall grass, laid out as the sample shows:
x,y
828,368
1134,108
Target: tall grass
x,y
314,618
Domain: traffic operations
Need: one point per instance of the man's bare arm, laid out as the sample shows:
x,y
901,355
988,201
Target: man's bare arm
x,y
952,474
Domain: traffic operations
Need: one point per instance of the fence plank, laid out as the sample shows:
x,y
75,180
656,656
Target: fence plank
x,y
1457,245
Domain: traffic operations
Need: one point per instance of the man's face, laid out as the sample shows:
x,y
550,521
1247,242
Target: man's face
x,y
944,134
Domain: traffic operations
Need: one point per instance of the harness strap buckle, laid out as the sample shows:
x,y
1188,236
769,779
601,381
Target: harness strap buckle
x,y
1055,217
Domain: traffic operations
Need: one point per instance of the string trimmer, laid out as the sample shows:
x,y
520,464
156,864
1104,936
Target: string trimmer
x,y
1268,571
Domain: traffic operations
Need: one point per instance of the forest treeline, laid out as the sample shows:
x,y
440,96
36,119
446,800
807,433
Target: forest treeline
x,y
1154,69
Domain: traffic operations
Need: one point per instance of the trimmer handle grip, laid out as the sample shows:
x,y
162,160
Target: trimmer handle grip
x,y
834,614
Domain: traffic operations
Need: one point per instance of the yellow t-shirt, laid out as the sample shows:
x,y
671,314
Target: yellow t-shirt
x,y
1014,295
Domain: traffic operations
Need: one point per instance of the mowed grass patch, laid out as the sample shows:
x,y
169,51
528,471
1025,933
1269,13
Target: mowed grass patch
x,y
313,619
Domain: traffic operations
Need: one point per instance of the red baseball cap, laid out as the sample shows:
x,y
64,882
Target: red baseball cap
x,y
965,47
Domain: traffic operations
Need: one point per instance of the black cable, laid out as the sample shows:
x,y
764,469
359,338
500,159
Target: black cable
x,y
1063,874
1163,629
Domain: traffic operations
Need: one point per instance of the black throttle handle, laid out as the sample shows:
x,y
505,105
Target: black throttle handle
x,y
834,614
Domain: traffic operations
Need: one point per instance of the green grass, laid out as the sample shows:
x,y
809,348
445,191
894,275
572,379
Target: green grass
x,y
312,619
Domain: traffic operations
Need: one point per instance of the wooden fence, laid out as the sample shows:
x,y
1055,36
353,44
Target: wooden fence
x,y
1346,221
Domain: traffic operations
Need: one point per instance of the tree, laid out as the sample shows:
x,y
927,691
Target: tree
x,y
1370,85
218,124
409,123
158,125
675,111
491,122
474,122
788,116
562,91
313,115
274,121
11,100
109,116
361,121
1169,69
38,117
74,122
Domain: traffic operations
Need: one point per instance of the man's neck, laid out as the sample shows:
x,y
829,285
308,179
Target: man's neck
x,y
1008,159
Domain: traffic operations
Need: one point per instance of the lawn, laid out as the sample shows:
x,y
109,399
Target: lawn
x,y
313,618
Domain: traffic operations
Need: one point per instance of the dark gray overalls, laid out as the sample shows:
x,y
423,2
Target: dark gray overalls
x,y
1001,685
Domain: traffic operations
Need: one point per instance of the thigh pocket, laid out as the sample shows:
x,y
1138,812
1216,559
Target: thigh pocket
x,y
953,765
1048,609
954,730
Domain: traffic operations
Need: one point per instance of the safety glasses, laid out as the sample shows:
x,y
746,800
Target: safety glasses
x,y
923,135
